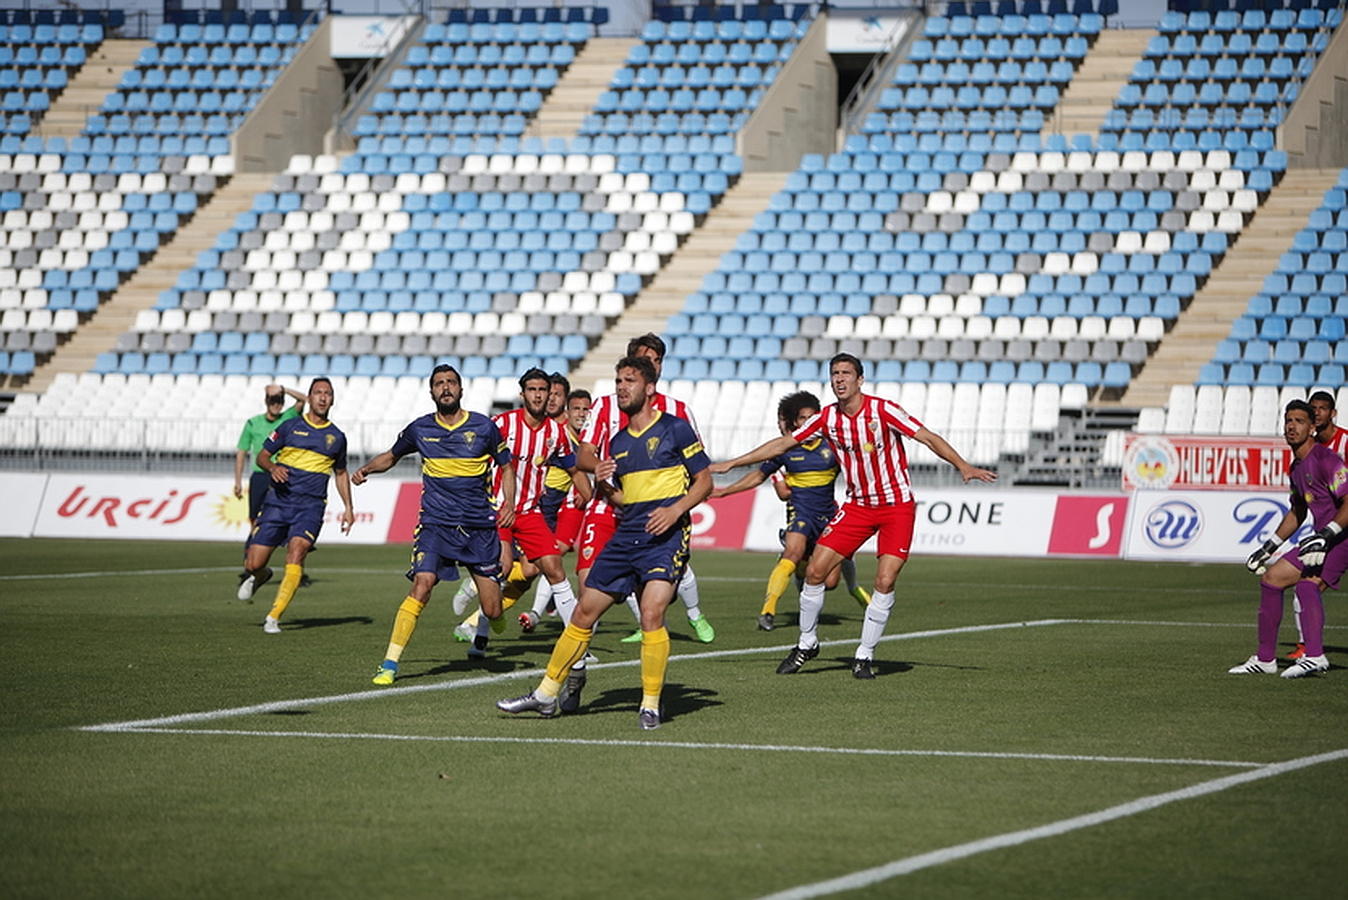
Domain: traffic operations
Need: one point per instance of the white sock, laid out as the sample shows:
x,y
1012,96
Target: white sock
x,y
1296,617
877,614
636,610
566,602
688,593
849,574
543,595
811,602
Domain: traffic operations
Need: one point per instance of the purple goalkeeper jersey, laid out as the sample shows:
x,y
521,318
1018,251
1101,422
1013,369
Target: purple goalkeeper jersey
x,y
1321,479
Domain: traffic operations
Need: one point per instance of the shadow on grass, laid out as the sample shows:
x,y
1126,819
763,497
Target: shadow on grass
x,y
677,700
296,624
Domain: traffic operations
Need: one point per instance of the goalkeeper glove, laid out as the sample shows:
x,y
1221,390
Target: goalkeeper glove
x,y
1258,561
1313,547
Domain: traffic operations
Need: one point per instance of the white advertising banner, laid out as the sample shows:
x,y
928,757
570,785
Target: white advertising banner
x,y
1202,526
975,521
366,36
23,497
188,508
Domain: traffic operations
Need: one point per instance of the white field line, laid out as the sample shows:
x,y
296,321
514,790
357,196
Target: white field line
x,y
866,877
700,745
280,705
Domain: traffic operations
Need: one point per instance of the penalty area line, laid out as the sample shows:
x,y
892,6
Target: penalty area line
x,y
867,877
700,745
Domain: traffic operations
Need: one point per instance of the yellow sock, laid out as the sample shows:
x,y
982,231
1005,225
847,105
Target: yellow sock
x,y
654,660
404,623
514,589
777,582
289,584
471,621
568,650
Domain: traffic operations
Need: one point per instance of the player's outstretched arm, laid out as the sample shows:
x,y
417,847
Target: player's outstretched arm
x,y
381,463
761,453
581,482
748,481
343,482
240,459
938,445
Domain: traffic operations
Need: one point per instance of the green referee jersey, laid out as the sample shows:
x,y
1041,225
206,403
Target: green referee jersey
x,y
256,429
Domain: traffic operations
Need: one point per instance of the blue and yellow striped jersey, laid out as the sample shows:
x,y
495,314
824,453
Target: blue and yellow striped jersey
x,y
811,469
455,467
311,453
655,467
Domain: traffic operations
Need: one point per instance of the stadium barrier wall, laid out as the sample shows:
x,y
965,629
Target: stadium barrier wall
x,y
971,521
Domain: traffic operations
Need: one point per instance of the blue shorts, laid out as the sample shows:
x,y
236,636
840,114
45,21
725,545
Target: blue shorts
x,y
259,489
282,520
630,560
809,524
440,549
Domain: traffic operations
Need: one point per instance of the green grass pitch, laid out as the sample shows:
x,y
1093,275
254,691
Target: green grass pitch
x,y
1038,729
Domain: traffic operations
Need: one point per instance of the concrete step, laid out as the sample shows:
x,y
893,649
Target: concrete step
x,y
682,274
160,272
99,76
580,85
1090,95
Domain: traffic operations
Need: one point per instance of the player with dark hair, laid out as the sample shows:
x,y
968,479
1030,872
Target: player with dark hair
x,y
803,477
299,456
458,521
865,433
538,444
565,496
251,438
1319,479
655,470
1336,439
604,422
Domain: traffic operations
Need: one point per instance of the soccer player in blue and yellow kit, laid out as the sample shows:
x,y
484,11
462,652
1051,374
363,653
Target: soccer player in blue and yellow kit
x,y
811,470
299,456
654,471
457,524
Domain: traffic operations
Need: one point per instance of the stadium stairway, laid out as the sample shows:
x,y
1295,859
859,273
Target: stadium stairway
x,y
1103,73
682,275
579,87
1224,296
117,315
96,79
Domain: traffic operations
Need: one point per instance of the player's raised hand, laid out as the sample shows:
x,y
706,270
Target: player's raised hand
x,y
973,473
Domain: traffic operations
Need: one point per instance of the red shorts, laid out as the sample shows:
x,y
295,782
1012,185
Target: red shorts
x,y
531,534
594,534
568,524
853,525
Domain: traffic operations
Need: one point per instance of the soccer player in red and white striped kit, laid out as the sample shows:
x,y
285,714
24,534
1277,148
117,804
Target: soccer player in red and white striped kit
x,y
866,434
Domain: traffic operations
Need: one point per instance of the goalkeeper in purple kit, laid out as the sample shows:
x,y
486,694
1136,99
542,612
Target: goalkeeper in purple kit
x,y
1319,479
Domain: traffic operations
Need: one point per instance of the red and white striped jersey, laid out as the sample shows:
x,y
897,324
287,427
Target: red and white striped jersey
x,y
869,448
534,451
606,420
1339,442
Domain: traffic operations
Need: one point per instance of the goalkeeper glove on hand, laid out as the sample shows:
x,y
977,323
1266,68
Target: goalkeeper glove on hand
x,y
1313,547
1258,561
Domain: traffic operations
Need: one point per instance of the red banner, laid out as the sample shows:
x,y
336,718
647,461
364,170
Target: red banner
x,y
1204,462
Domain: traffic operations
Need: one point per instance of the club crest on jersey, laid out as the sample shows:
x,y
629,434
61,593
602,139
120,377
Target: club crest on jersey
x,y
652,445
469,437
329,440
